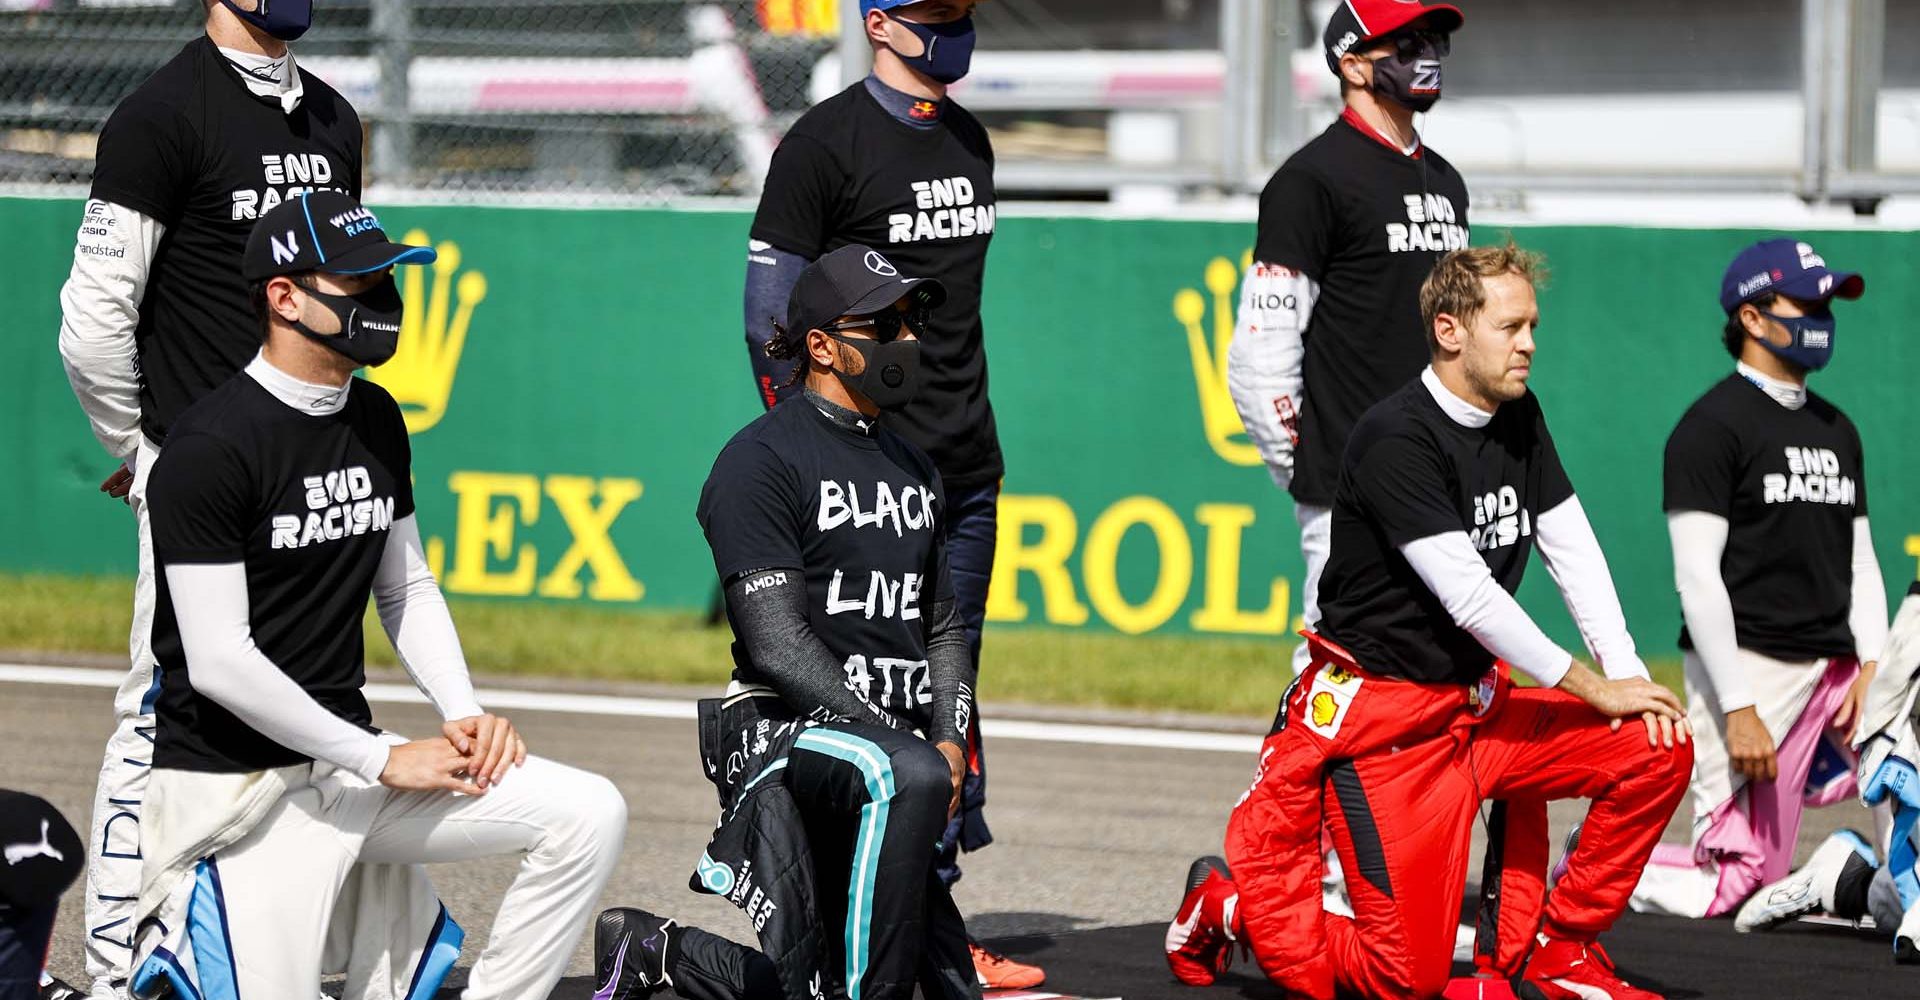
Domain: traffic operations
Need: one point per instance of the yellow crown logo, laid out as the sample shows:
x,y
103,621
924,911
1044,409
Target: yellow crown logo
x,y
1225,433
420,376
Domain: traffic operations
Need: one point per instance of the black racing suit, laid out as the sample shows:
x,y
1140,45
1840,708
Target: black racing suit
x,y
833,807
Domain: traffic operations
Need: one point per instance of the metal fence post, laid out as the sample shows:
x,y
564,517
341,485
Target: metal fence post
x,y
1858,117
392,24
1240,104
1280,133
1814,56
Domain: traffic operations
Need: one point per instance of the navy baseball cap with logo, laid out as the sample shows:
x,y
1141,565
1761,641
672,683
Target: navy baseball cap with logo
x,y
323,231
1357,22
854,280
1788,267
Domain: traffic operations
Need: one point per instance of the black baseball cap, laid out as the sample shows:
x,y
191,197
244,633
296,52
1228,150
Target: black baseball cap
x,y
854,280
323,231
1356,22
44,854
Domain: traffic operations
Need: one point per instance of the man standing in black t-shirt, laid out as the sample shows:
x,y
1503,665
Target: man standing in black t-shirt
x,y
1350,225
1404,722
155,314
1784,604
893,164
827,530
282,502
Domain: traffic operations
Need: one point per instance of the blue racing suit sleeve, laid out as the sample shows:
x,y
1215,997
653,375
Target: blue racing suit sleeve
x,y
771,274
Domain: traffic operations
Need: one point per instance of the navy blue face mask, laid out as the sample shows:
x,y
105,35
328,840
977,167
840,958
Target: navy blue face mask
x,y
1812,345
283,19
947,48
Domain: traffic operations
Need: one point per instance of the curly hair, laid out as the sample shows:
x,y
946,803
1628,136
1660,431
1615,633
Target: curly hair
x,y
786,347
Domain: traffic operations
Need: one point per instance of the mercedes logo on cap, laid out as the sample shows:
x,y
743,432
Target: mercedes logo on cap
x,y
880,265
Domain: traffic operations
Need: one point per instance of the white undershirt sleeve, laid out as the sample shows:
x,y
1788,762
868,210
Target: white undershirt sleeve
x,y
211,604
1699,542
99,309
1868,616
1578,567
1451,568
415,616
1264,359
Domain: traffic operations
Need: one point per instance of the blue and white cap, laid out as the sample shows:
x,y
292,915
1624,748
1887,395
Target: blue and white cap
x,y
323,231
1787,267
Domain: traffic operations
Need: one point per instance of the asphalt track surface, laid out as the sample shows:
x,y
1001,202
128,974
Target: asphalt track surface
x,y
1092,842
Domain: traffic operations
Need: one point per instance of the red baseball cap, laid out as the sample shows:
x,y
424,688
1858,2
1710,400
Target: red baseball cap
x,y
1356,22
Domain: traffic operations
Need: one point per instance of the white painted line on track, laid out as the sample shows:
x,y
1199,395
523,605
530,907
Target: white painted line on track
x,y
665,708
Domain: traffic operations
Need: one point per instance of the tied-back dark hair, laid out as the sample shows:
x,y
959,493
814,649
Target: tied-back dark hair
x,y
1734,335
786,347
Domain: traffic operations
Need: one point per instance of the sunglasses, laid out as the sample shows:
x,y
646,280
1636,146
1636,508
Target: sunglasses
x,y
1407,44
886,324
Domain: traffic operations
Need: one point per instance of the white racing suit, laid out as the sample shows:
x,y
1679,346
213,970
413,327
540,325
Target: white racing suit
x,y
1889,769
99,310
1264,378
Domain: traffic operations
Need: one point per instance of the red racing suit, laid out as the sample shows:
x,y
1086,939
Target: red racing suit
x,y
1396,771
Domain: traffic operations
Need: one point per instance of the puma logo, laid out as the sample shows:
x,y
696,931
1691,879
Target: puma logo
x,y
17,853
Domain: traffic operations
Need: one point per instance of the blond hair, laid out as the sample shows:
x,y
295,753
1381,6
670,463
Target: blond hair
x,y
1455,287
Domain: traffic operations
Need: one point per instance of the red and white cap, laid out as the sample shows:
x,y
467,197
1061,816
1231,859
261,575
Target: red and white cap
x,y
1356,22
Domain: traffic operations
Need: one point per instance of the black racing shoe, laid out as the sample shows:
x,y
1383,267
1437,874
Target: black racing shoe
x,y
630,954
1203,868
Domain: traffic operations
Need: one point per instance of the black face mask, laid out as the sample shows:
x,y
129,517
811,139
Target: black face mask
x,y
891,374
283,19
369,322
1410,77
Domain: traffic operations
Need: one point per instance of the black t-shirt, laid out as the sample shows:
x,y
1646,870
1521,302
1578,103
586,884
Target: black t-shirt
x,y
195,150
861,516
850,172
306,502
1411,473
1367,222
1789,483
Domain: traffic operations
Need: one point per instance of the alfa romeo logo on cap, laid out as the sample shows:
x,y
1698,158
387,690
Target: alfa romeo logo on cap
x,y
880,265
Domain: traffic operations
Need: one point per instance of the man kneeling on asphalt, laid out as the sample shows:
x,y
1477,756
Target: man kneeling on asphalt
x,y
284,835
838,751
1404,722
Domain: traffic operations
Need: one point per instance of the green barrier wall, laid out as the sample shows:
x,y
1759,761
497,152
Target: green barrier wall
x,y
570,375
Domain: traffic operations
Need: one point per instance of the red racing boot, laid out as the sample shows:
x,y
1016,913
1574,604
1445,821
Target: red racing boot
x,y
1206,927
1575,970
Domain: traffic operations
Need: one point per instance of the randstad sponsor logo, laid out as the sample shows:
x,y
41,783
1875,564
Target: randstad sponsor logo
x,y
491,508
1078,576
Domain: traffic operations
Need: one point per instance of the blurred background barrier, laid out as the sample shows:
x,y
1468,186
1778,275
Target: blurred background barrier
x,y
1145,103
569,376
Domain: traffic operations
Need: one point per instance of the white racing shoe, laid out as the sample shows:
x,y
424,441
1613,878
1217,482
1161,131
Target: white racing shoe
x,y
1809,890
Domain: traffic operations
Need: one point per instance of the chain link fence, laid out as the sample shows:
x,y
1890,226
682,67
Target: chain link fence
x,y
590,99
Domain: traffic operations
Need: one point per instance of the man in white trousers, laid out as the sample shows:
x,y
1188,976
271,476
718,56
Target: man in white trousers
x,y
284,832
155,315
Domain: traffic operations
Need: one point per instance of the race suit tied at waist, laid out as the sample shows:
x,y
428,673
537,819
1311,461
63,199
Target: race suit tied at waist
x,y
758,858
